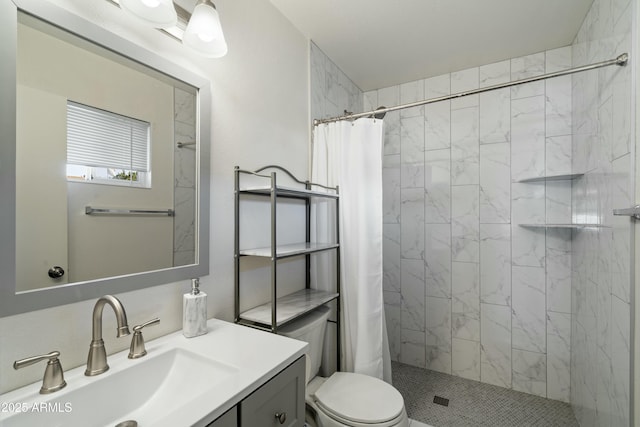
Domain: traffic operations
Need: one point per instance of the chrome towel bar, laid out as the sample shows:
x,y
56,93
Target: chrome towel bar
x,y
133,212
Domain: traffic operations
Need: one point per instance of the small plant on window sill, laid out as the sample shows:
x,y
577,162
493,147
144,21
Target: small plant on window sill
x,y
126,175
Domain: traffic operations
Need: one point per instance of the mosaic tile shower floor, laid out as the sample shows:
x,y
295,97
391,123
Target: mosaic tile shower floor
x,y
472,403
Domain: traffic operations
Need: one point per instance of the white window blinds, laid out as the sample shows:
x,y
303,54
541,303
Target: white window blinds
x,y
100,138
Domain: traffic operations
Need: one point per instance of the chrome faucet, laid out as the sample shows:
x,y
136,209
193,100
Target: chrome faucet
x,y
97,359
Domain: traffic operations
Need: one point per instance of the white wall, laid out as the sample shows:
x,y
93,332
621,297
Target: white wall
x,y
259,116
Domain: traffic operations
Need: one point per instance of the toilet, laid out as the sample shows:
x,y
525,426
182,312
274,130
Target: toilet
x,y
344,398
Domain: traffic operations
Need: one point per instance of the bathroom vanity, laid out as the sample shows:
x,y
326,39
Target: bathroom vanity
x,y
280,399
232,376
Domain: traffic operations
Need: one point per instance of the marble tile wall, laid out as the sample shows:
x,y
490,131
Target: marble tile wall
x,y
331,91
602,147
184,239
468,291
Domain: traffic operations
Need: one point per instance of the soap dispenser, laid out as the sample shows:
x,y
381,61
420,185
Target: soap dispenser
x,y
194,311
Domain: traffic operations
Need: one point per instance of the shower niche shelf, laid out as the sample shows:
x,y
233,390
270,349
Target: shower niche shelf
x,y
568,177
551,178
574,226
281,309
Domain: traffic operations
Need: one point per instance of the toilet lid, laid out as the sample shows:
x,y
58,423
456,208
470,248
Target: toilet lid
x,y
360,398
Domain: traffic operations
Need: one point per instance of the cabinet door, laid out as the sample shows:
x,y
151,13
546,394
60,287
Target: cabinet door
x,y
229,419
280,402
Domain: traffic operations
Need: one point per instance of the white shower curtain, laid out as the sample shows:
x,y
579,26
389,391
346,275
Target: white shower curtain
x,y
349,155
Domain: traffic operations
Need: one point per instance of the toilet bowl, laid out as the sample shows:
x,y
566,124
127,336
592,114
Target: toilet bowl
x,y
345,398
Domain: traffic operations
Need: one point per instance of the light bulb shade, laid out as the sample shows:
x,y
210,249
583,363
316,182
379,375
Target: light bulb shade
x,y
157,13
204,32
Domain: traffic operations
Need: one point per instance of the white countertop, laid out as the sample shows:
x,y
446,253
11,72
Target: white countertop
x,y
254,356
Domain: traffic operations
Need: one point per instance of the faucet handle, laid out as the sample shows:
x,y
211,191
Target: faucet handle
x,y
53,379
137,342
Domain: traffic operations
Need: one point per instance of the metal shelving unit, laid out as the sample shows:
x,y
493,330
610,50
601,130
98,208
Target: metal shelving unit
x,y
281,309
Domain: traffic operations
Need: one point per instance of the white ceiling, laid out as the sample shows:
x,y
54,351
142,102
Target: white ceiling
x,y
383,43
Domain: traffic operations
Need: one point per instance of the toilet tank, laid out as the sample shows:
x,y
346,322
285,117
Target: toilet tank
x,y
310,328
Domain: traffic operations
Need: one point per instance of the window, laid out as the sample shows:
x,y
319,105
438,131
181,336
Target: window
x,y
106,148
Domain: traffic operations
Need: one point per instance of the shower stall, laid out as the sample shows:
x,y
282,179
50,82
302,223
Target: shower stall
x,y
503,260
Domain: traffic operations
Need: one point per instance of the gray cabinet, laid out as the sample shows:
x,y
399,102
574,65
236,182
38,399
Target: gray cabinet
x,y
229,419
279,402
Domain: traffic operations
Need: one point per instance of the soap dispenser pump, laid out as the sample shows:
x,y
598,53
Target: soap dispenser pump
x,y
194,311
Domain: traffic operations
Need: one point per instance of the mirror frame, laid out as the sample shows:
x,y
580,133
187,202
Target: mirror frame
x,y
12,303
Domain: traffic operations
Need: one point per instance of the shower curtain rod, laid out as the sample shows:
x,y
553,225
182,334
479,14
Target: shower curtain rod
x,y
621,60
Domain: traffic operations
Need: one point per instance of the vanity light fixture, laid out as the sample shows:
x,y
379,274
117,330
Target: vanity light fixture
x,y
201,30
204,32
157,13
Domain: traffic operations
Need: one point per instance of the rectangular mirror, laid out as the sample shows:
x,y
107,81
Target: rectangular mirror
x,y
105,158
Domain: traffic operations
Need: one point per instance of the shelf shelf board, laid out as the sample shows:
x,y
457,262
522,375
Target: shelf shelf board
x,y
285,251
289,306
288,192
563,225
567,177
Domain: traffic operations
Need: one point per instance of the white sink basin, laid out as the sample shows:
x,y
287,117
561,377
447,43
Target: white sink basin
x,y
180,382
143,391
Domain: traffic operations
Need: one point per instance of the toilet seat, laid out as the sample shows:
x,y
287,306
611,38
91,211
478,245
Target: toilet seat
x,y
356,399
332,420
